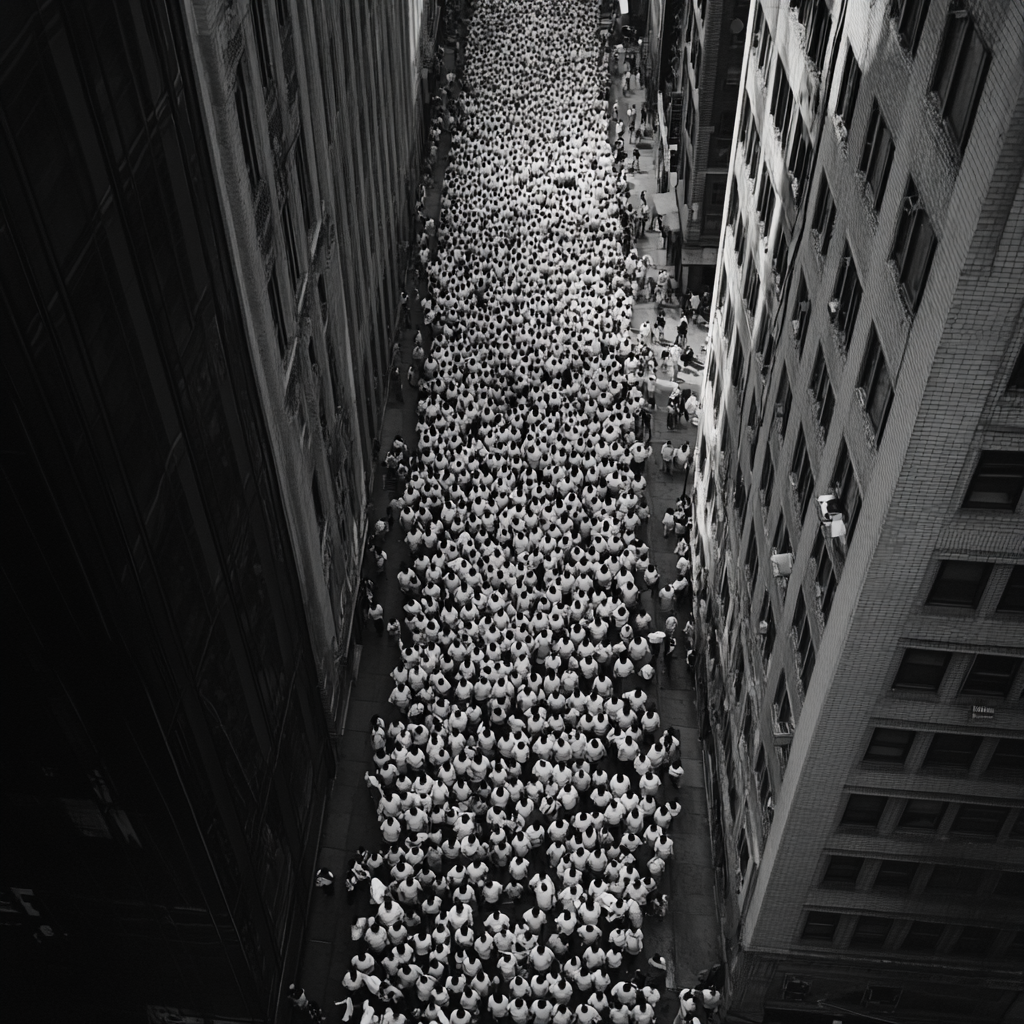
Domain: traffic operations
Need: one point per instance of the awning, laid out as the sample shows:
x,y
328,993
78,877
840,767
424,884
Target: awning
x,y
665,204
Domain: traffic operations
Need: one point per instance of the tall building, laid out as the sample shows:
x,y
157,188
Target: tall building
x,y
205,216
700,86
860,464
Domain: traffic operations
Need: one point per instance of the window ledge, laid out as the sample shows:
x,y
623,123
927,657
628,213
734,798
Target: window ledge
x,y
842,134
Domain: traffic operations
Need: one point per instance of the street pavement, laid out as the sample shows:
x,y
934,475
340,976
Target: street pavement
x,y
688,936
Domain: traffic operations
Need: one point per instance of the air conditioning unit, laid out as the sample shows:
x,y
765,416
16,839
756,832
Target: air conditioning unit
x,y
782,564
834,305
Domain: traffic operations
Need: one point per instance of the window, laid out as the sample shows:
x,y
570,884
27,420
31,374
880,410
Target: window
x,y
824,216
1013,593
821,389
875,385
277,314
1016,381
991,675
305,189
863,811
801,313
910,17
734,201
262,44
959,584
842,872
980,820
960,75
799,158
820,927
921,670
1011,885
780,255
249,151
1008,758
803,475
752,558
896,874
846,489
849,86
767,480
736,375
845,301
766,629
876,158
294,269
753,150
783,401
813,15
804,642
975,942
825,581
889,746
913,247
743,853
744,125
922,815
997,482
783,710
751,287
765,202
923,937
870,932
952,751
318,504
764,44
954,878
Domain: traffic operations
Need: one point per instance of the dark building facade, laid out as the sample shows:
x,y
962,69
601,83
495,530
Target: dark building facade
x,y
167,755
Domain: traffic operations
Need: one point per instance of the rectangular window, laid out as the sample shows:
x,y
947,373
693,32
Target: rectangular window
x,y
263,51
783,709
767,480
804,641
305,188
813,15
954,878
959,584
249,151
845,301
842,872
801,313
876,385
744,125
913,247
849,86
974,942
736,375
751,287
889,746
799,158
825,581
734,203
753,150
743,853
824,215
1016,379
910,18
277,314
863,811
980,820
820,927
294,267
780,256
960,74
765,202
1013,593
876,159
896,874
318,503
803,475
991,675
1008,758
921,670
923,937
766,628
783,401
923,815
821,389
952,751
782,101
870,932
998,481
846,489
764,45
1011,885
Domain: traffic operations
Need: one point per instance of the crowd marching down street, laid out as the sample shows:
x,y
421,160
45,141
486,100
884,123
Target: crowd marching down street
x,y
524,787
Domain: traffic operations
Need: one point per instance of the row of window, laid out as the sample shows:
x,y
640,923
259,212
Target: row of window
x,y
961,584
939,880
931,817
871,932
922,670
947,751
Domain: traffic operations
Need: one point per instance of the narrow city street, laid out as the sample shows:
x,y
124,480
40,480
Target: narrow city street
x,y
578,247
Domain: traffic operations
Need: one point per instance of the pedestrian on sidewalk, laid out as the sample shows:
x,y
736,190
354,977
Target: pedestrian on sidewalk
x,y
667,457
375,613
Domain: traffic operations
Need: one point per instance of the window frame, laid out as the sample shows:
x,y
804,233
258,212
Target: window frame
x,y
874,373
957,585
905,665
910,17
960,44
993,463
820,384
1013,591
982,662
849,292
849,87
865,823
884,738
909,808
824,215
951,752
913,248
877,155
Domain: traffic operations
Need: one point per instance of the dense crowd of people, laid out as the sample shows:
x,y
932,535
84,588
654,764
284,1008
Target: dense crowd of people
x,y
524,788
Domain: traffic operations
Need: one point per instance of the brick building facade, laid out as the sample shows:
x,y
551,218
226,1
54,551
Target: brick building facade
x,y
860,464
